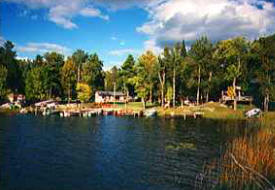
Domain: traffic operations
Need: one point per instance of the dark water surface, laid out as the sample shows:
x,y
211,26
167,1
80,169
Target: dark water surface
x,y
109,152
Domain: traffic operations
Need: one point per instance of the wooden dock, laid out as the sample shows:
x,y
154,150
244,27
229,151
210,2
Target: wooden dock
x,y
89,112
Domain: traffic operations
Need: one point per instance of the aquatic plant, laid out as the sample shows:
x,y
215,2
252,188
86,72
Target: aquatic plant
x,y
181,146
248,161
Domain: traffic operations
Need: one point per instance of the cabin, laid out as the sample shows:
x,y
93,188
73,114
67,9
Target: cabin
x,y
226,98
109,96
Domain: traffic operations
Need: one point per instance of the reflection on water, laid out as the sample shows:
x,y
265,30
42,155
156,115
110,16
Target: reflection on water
x,y
107,152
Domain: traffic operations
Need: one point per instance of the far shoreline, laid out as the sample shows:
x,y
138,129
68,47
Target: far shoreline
x,y
211,110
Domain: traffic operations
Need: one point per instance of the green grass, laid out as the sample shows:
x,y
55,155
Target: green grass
x,y
210,110
133,105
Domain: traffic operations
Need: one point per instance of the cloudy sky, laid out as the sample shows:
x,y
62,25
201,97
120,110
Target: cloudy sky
x,y
115,28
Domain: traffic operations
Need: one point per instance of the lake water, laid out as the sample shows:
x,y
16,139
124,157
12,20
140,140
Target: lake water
x,y
108,152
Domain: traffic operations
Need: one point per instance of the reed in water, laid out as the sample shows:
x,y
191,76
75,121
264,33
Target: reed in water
x,y
248,161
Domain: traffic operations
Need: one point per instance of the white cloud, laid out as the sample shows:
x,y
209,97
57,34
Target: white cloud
x,y
122,52
92,12
125,4
43,48
175,20
22,58
62,12
113,38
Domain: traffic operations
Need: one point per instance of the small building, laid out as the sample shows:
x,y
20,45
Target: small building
x,y
109,96
226,97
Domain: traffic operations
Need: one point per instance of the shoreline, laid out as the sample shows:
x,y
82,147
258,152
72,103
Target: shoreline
x,y
212,110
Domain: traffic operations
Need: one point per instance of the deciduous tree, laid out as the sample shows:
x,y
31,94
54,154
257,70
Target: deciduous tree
x,y
84,92
35,88
231,54
147,64
69,77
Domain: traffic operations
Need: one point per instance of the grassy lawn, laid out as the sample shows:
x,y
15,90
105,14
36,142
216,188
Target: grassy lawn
x,y
212,110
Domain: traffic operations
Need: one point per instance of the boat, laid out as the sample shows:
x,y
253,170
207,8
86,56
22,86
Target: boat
x,y
255,112
150,112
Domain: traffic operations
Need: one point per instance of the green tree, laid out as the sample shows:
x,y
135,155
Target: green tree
x,y
39,61
144,79
181,74
265,71
232,55
112,79
54,63
3,81
178,53
142,88
147,64
79,58
169,95
8,59
162,67
68,77
201,53
84,92
35,88
127,72
93,73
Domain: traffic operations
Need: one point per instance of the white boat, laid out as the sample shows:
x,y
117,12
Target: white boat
x,y
150,112
253,113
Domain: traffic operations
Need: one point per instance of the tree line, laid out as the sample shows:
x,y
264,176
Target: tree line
x,y
198,73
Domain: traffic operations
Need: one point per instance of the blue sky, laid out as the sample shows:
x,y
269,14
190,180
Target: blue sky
x,y
115,28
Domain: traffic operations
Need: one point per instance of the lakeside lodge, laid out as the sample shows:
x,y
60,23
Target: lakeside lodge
x,y
109,96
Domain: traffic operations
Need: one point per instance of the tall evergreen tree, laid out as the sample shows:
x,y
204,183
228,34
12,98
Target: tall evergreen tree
x,y
162,67
93,72
201,53
265,71
8,59
54,63
79,58
127,71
